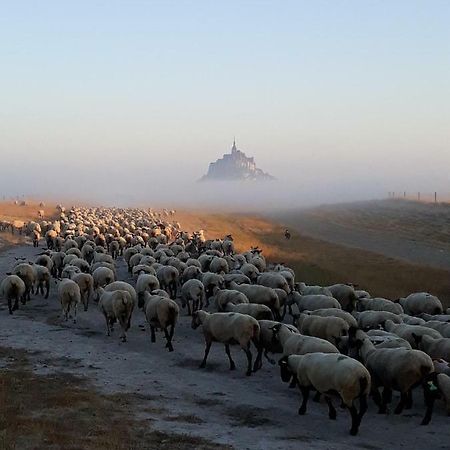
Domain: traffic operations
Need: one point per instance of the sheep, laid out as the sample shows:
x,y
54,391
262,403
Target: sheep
x,y
58,265
441,366
146,282
303,289
273,280
219,265
411,320
259,312
298,344
442,327
228,328
250,271
161,312
74,251
191,272
345,295
362,294
87,253
70,271
406,331
102,276
168,279
28,276
440,317
212,283
238,278
335,312
86,283
142,268
398,369
123,286
12,288
81,264
421,302
329,328
193,292
327,372
260,294
368,320
225,296
378,304
443,384
116,305
46,261
42,277
436,348
311,302
384,339
69,296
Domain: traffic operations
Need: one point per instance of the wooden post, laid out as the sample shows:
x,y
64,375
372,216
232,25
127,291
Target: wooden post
x,y
418,196
404,194
435,197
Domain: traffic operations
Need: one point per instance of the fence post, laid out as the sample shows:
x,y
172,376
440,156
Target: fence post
x,y
418,196
435,197
404,194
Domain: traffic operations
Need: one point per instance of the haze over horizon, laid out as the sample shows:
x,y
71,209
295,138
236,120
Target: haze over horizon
x,y
128,102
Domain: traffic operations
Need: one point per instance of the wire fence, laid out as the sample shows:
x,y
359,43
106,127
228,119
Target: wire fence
x,y
425,197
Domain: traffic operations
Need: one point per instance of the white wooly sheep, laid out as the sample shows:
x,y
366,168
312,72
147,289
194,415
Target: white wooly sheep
x,y
219,265
259,262
421,302
212,283
28,276
58,265
436,348
103,257
146,283
68,259
96,265
228,328
250,271
408,332
442,327
74,251
161,312
81,264
85,282
401,370
135,260
259,312
289,277
70,271
12,288
192,292
118,306
190,273
327,372
311,302
267,343
68,244
168,279
334,312
411,320
362,294
260,294
384,339
128,253
143,268
160,292
205,261
440,317
273,280
443,384
193,262
299,344
102,276
46,261
371,320
378,304
87,253
304,289
42,277
329,328
225,296
345,295
237,277
70,297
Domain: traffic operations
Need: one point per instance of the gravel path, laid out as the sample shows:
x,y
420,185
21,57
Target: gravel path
x,y
226,407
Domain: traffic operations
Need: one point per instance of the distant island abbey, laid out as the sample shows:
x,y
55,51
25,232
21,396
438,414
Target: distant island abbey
x,y
235,166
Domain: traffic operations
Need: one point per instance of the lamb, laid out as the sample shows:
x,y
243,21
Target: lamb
x,y
401,370
327,372
146,282
12,288
225,296
168,279
369,320
329,328
85,282
407,331
102,276
193,292
260,294
116,306
161,312
28,276
378,304
69,296
421,302
345,295
259,312
228,328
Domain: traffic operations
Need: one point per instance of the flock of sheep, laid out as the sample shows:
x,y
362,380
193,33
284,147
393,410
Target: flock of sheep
x,y
340,341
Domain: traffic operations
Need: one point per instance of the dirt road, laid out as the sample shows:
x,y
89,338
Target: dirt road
x,y
225,407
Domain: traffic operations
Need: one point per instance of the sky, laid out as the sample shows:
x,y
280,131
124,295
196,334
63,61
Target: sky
x,y
128,101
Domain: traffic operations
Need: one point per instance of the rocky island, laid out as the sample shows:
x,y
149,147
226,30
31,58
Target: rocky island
x,y
235,166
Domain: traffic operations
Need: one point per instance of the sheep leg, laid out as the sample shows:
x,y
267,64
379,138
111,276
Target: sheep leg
x,y
227,351
409,399
169,340
362,406
75,313
47,287
429,396
207,348
152,332
108,331
10,305
258,360
401,403
331,408
317,397
386,396
356,420
305,394
249,360
293,382
15,306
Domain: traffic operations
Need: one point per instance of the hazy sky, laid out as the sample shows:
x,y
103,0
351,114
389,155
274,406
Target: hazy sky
x,y
130,100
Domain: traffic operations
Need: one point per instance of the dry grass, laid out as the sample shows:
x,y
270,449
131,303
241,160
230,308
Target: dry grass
x,y
9,211
316,261
61,411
